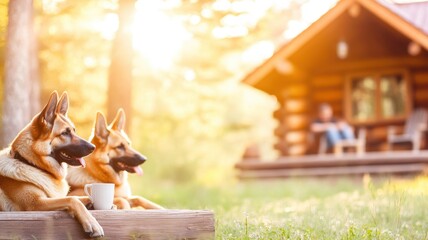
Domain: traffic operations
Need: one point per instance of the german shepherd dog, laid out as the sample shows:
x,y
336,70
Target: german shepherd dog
x,y
111,161
33,169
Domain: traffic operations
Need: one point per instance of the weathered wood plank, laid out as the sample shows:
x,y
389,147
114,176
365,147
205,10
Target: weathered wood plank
x,y
327,81
300,90
420,79
336,105
123,224
329,95
420,96
334,171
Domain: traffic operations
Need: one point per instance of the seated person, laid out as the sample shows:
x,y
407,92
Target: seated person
x,y
335,130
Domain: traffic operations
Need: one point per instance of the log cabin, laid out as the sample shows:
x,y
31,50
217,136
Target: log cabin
x,y
368,59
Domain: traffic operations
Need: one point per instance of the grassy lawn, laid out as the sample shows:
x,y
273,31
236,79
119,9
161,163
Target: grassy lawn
x,y
304,208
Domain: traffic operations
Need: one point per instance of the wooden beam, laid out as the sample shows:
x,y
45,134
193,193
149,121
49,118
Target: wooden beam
x,y
420,96
117,224
400,62
300,90
327,81
328,95
420,79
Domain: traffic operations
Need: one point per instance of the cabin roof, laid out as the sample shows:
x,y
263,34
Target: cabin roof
x,y
410,19
415,13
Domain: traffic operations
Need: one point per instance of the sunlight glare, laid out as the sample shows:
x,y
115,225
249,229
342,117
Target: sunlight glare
x,y
311,11
259,52
108,26
157,36
244,15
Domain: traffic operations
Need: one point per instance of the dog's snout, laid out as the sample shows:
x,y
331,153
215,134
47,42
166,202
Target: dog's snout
x,y
140,157
91,147
88,147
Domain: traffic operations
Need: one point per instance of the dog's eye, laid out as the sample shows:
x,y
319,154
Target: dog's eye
x,y
121,147
65,133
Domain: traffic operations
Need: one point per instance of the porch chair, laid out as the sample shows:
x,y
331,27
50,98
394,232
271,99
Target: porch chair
x,y
359,143
415,125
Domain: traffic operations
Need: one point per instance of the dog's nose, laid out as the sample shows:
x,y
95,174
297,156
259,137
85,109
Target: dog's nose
x,y
86,146
140,157
91,147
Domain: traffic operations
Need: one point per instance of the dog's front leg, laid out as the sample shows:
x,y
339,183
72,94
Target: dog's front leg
x,y
137,201
84,199
76,208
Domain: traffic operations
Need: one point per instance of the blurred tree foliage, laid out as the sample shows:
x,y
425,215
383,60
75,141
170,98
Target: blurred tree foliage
x,y
74,55
192,116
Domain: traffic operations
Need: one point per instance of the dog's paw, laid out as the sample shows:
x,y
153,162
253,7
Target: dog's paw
x,y
93,228
97,234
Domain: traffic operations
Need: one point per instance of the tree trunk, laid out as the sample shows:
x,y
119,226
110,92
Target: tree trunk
x,y
17,81
120,74
35,88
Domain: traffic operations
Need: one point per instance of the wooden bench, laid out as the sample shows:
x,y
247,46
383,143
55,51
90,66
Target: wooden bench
x,y
117,224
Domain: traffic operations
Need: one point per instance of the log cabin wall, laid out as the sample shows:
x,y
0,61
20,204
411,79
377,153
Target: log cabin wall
x,y
325,88
300,98
330,88
420,94
377,134
420,88
294,98
375,39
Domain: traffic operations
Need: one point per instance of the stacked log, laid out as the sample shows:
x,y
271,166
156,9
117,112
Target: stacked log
x,y
295,120
420,89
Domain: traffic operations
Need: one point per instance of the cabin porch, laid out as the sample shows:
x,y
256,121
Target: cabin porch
x,y
327,165
358,59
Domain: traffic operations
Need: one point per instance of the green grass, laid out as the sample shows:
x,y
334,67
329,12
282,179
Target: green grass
x,y
303,209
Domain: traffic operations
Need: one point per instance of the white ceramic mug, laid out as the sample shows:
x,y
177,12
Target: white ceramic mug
x,y
101,195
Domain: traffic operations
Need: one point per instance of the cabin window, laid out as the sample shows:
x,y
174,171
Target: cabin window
x,y
377,97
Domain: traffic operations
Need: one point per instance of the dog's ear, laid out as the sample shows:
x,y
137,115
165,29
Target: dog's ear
x,y
100,129
119,121
63,104
47,116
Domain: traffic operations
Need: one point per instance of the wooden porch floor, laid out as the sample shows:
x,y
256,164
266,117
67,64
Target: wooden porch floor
x,y
397,162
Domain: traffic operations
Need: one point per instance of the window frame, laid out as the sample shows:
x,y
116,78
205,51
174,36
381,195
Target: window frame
x,y
378,119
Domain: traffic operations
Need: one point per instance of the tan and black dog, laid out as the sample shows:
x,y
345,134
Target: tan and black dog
x,y
33,169
111,161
